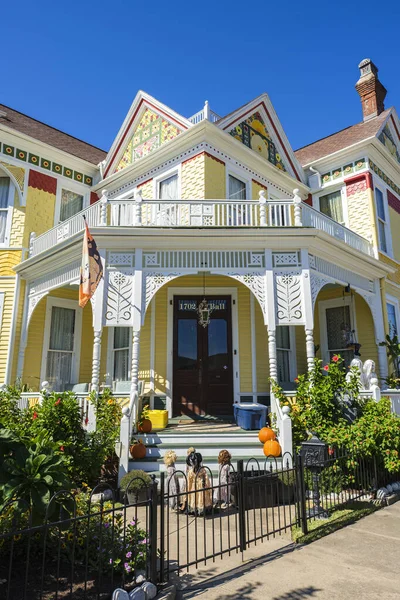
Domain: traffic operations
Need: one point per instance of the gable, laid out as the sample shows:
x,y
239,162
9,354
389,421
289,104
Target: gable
x,y
253,132
150,133
387,138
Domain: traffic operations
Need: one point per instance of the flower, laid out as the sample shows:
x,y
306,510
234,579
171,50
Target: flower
x,y
296,380
62,448
86,420
326,368
35,415
335,358
128,554
57,402
128,568
111,560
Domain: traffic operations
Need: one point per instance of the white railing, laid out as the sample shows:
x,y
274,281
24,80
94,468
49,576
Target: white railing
x,y
204,113
314,218
185,213
66,229
136,212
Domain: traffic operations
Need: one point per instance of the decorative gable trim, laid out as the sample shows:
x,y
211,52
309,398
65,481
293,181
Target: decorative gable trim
x,y
227,124
142,100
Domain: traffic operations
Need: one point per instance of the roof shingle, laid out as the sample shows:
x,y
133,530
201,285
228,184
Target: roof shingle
x,y
49,135
340,140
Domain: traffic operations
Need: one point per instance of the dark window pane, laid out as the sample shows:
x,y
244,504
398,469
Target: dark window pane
x,y
187,344
217,344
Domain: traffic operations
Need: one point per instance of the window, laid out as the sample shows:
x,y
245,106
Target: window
x,y
338,330
168,188
120,350
71,203
62,341
392,320
237,189
331,205
380,209
6,191
283,353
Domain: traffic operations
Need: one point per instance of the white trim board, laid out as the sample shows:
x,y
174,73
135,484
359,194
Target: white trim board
x,y
198,291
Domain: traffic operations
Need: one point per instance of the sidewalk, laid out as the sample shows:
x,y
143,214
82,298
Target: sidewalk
x,y
359,562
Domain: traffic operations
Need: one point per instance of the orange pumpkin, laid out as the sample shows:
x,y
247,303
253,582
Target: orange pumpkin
x,y
145,426
265,434
272,448
138,450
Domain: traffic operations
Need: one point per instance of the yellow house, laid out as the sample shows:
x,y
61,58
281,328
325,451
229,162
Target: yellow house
x,y
296,254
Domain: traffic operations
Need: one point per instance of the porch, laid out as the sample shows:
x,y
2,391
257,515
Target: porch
x,y
185,368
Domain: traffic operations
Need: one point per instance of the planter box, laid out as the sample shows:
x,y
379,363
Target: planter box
x,y
158,418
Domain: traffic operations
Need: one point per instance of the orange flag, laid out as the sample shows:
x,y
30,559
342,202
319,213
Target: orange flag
x,y
91,268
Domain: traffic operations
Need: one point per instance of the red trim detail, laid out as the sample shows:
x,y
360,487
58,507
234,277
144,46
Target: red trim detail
x,y
358,183
143,101
393,201
260,184
395,126
214,158
144,182
184,162
309,200
40,181
93,197
276,131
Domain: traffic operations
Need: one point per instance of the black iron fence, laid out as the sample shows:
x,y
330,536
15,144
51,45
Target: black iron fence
x,y
84,549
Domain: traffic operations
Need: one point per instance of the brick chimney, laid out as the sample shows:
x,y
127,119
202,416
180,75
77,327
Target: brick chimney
x,y
370,90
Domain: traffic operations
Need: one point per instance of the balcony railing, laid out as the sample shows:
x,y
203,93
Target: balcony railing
x,y
136,212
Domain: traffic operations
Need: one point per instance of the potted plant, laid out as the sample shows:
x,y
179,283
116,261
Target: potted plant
x,y
134,486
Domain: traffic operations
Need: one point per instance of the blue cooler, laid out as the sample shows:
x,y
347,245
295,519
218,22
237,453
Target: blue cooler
x,y
250,415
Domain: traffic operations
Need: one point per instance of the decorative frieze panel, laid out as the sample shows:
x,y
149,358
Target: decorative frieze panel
x,y
59,277
120,259
286,259
198,259
289,298
119,298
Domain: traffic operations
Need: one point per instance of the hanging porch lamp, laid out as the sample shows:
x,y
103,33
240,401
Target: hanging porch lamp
x,y
204,310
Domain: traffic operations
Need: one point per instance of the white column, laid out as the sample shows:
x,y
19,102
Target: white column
x,y
273,369
138,208
135,361
310,348
96,361
103,208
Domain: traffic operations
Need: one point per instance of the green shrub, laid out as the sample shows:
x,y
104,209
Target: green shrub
x,y
322,400
30,475
136,480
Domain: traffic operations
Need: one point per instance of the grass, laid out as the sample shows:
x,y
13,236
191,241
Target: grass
x,y
347,514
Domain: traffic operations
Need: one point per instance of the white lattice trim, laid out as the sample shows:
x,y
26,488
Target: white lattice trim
x,y
256,283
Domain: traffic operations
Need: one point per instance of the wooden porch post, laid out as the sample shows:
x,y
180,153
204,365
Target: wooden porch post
x,y
310,349
96,361
273,369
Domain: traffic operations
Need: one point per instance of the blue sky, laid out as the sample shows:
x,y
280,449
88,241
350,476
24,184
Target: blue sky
x,y
78,65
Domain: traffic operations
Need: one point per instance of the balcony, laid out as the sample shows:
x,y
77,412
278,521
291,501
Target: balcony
x,y
136,212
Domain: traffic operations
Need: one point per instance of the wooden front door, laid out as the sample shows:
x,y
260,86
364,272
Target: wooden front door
x,y
202,361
